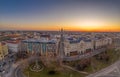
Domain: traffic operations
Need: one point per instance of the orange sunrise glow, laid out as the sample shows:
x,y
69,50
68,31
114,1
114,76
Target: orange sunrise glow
x,y
80,16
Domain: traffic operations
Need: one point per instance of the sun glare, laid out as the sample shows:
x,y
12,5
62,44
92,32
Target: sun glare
x,y
90,24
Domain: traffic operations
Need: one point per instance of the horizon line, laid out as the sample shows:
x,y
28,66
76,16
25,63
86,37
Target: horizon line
x,y
63,29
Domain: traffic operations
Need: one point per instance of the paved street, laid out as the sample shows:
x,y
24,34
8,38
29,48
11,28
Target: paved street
x,y
12,70
110,71
18,72
6,64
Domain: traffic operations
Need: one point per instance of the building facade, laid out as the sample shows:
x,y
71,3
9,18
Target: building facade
x,y
78,47
13,46
39,46
3,50
64,46
82,46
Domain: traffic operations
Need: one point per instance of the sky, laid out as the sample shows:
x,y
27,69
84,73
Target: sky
x,y
72,15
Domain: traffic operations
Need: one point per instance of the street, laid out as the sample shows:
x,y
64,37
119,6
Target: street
x,y
110,71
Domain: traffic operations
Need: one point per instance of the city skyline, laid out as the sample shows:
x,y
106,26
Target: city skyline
x,y
82,15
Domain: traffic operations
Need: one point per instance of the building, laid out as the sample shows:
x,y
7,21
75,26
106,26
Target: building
x,y
43,47
13,45
65,45
117,43
3,50
77,46
102,42
83,45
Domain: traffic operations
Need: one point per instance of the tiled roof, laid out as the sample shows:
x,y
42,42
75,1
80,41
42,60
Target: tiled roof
x,y
72,40
75,40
